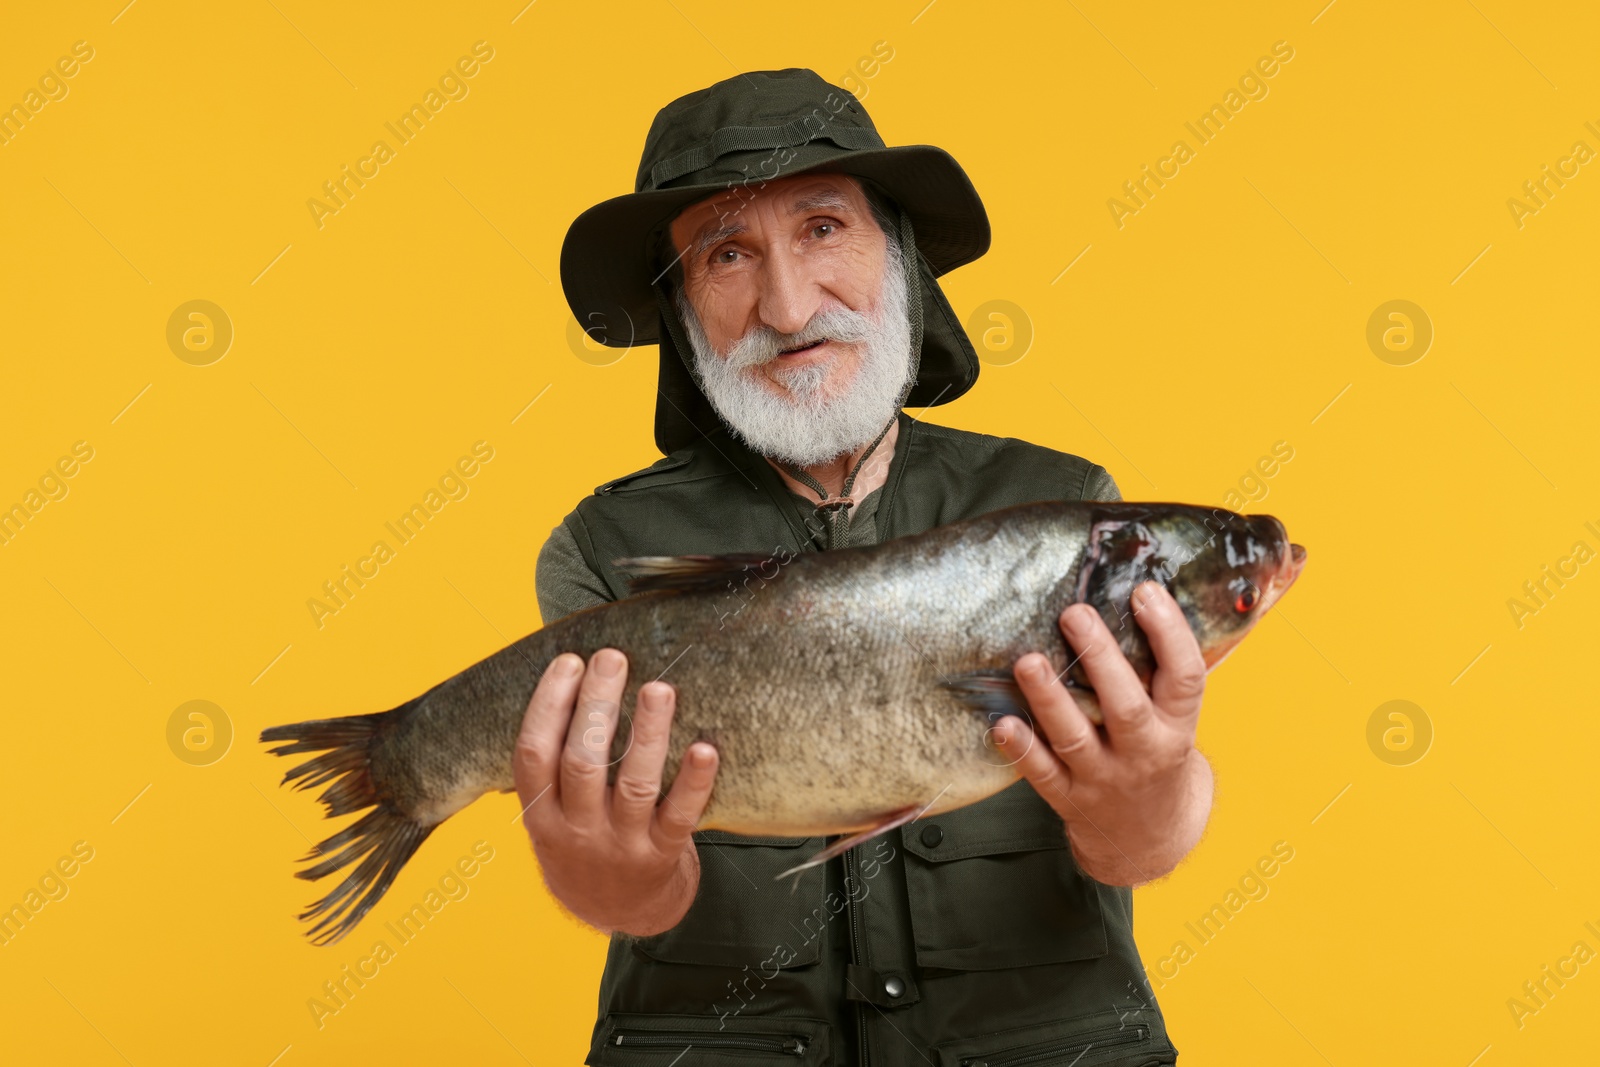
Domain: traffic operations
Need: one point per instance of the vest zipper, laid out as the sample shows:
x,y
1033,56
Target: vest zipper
x,y
1080,1044
853,917
787,1044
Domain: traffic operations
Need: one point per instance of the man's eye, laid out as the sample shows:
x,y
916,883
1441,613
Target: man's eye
x,y
822,229
727,255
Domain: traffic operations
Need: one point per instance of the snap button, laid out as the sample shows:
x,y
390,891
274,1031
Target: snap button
x,y
894,986
931,836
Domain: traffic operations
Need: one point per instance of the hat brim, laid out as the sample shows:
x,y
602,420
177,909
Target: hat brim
x,y
607,272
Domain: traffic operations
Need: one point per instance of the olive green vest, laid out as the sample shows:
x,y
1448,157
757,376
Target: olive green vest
x,y
961,939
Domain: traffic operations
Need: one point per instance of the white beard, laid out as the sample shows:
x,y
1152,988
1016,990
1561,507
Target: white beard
x,y
811,425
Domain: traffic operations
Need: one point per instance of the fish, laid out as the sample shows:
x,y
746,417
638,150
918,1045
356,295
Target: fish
x,y
847,692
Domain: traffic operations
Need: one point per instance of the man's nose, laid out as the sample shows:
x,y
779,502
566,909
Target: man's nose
x,y
790,296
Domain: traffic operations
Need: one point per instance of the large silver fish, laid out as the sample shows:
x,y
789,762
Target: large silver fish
x,y
845,691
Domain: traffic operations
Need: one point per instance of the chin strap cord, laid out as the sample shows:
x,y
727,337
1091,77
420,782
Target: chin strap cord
x,y
834,511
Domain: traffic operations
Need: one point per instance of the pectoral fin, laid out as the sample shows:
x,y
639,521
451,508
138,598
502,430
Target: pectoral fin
x,y
992,693
845,844
995,694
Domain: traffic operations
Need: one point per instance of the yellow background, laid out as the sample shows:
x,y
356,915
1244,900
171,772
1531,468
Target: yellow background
x,y
1222,318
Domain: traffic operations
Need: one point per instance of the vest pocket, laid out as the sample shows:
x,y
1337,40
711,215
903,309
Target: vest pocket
x,y
993,886
741,915
698,1041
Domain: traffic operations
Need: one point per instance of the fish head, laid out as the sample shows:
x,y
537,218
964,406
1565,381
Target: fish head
x,y
1225,571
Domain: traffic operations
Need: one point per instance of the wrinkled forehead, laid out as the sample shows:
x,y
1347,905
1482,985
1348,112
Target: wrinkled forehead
x,y
730,213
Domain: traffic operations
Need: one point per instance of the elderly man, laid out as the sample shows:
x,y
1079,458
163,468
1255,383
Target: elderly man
x,y
785,260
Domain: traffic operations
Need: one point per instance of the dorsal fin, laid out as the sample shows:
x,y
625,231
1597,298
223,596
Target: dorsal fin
x,y
684,574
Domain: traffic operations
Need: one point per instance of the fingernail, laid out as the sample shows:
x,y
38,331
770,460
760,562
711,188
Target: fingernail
x,y
655,697
1034,670
567,665
608,663
1078,620
699,756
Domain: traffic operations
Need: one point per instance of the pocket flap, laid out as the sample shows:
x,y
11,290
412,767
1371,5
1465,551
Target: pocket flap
x,y
994,886
1014,820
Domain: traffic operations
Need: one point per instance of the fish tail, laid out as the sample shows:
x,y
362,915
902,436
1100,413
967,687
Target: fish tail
x,y
382,840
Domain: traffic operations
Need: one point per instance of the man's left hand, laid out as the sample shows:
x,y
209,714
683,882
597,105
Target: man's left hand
x,y
1135,798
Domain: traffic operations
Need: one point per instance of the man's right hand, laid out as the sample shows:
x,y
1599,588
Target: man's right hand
x,y
615,856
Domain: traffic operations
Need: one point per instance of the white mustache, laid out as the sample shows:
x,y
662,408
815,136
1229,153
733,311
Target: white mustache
x,y
763,344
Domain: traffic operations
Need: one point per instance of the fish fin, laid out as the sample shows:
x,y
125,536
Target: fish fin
x,y
683,574
994,693
845,844
382,840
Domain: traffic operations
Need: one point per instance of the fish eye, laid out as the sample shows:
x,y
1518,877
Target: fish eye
x,y
1247,599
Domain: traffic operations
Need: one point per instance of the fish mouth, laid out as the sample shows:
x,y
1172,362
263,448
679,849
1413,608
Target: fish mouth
x,y
1293,564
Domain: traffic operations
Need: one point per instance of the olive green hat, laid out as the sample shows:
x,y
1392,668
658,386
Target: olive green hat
x,y
745,131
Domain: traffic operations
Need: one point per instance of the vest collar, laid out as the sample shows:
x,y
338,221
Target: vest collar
x,y
775,492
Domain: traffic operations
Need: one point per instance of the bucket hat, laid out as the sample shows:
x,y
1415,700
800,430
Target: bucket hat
x,y
737,135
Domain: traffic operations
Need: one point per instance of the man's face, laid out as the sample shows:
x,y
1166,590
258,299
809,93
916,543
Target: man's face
x,y
794,300
777,256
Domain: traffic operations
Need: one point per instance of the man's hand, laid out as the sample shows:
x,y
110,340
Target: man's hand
x,y
617,858
1135,800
